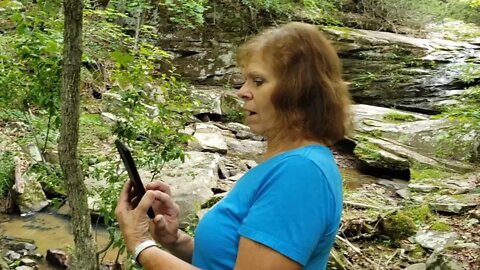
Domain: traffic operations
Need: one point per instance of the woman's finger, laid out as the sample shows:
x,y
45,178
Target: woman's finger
x,y
161,186
146,201
165,199
124,200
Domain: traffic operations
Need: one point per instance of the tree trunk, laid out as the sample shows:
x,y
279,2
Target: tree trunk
x,y
84,257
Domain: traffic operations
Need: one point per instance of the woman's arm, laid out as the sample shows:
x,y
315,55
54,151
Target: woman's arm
x,y
157,259
253,255
182,248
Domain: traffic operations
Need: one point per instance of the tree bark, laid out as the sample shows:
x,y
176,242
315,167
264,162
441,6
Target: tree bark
x,y
84,257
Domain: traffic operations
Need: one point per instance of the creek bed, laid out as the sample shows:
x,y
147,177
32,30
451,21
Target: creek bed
x,y
49,231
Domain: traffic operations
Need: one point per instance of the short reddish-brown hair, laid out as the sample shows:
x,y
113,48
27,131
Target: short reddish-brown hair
x,y
312,99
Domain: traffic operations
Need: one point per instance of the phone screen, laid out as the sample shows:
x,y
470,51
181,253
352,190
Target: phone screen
x,y
132,172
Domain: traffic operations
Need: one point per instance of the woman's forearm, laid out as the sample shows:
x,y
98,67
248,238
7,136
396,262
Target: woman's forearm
x,y
156,259
183,247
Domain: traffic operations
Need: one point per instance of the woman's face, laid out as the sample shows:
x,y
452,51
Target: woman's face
x,y
260,83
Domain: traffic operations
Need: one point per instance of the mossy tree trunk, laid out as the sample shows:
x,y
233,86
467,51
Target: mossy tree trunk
x,y
84,257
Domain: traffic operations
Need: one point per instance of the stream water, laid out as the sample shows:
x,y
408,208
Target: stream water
x,y
49,231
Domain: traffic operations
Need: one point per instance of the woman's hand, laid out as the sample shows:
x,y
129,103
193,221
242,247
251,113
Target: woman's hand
x,y
134,223
164,227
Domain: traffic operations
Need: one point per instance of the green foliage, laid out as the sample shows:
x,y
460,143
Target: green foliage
x,y
7,167
413,13
421,173
399,117
320,11
467,117
440,226
399,225
469,72
420,214
367,150
474,3
188,13
50,177
92,130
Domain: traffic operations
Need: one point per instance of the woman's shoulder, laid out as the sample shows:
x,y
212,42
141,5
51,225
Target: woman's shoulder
x,y
318,155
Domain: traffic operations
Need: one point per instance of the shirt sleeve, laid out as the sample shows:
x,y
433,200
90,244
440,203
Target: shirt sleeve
x,y
290,209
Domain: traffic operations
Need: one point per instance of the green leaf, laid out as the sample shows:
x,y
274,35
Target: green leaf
x,y
122,59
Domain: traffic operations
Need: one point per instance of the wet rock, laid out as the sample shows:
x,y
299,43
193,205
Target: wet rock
x,y
27,192
417,266
22,246
447,204
12,255
438,261
28,262
25,267
435,240
423,188
57,258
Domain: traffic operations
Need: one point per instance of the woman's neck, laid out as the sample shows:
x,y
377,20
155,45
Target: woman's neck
x,y
279,144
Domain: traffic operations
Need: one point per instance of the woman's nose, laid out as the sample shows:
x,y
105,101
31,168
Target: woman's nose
x,y
244,93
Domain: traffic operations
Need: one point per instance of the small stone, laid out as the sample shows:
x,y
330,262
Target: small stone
x,y
390,184
24,267
250,163
12,255
404,193
435,240
466,246
28,262
440,261
475,213
417,266
236,177
472,222
223,172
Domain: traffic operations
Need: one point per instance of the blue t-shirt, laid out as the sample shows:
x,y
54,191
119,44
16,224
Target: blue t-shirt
x,y
291,203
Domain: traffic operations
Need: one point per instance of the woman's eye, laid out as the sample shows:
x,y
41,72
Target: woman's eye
x,y
258,81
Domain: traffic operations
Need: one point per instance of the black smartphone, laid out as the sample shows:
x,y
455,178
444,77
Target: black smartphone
x,y
132,172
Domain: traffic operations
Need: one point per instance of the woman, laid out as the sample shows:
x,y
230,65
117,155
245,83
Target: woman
x,y
285,212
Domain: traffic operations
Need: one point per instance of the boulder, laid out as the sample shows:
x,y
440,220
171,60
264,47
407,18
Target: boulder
x,y
416,139
191,182
451,205
57,258
208,138
27,192
246,149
